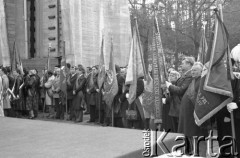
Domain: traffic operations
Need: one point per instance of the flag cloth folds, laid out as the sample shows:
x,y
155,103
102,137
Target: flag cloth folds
x,y
202,48
215,90
4,45
136,66
111,84
16,60
63,86
48,59
101,74
159,71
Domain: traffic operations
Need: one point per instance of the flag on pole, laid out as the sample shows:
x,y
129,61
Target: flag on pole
x,y
5,55
215,90
159,71
111,84
202,48
62,73
16,60
136,66
48,59
101,74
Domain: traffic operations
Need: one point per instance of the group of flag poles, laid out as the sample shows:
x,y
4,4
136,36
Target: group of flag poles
x,y
215,86
208,101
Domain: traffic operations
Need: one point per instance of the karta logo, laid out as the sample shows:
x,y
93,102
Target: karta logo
x,y
153,144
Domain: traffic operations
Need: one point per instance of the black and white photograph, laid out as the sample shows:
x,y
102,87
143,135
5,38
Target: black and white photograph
x,y
119,78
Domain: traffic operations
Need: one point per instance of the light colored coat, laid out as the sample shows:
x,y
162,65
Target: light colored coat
x,y
48,84
6,101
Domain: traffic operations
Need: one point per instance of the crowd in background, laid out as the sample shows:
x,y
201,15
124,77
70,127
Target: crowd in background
x,y
27,94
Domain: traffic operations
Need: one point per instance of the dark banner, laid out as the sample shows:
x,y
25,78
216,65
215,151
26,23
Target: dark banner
x,y
215,87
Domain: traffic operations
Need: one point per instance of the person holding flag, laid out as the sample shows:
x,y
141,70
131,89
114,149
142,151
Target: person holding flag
x,y
225,122
178,89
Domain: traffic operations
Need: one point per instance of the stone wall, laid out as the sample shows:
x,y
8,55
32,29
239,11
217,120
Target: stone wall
x,y
77,22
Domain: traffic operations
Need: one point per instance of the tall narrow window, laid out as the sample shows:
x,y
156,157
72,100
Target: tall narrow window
x,y
32,28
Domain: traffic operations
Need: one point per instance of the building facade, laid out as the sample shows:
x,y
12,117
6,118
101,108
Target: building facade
x,y
39,28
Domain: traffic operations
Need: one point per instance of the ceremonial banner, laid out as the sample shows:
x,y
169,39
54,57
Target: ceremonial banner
x,y
215,87
101,74
136,66
4,47
148,98
159,71
111,84
63,86
48,59
16,60
202,48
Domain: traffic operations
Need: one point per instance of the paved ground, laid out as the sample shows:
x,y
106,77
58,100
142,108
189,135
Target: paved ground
x,y
24,138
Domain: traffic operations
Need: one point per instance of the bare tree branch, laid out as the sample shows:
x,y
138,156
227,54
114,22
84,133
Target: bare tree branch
x,y
130,2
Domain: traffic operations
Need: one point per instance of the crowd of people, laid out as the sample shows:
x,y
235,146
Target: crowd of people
x,y
26,94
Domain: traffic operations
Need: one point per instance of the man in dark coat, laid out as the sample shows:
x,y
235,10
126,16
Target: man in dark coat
x,y
177,91
78,97
187,125
71,80
116,103
92,89
223,117
87,95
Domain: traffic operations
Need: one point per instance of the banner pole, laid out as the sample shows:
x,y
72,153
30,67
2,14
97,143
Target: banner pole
x,y
233,133
112,115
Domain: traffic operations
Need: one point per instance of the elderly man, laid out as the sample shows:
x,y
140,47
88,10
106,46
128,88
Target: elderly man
x,y
186,118
178,89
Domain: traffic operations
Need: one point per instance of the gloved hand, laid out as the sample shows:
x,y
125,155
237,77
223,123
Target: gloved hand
x,y
168,84
164,100
127,95
231,106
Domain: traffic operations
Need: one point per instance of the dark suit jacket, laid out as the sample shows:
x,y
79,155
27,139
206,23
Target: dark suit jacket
x,y
176,93
70,85
93,99
77,99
